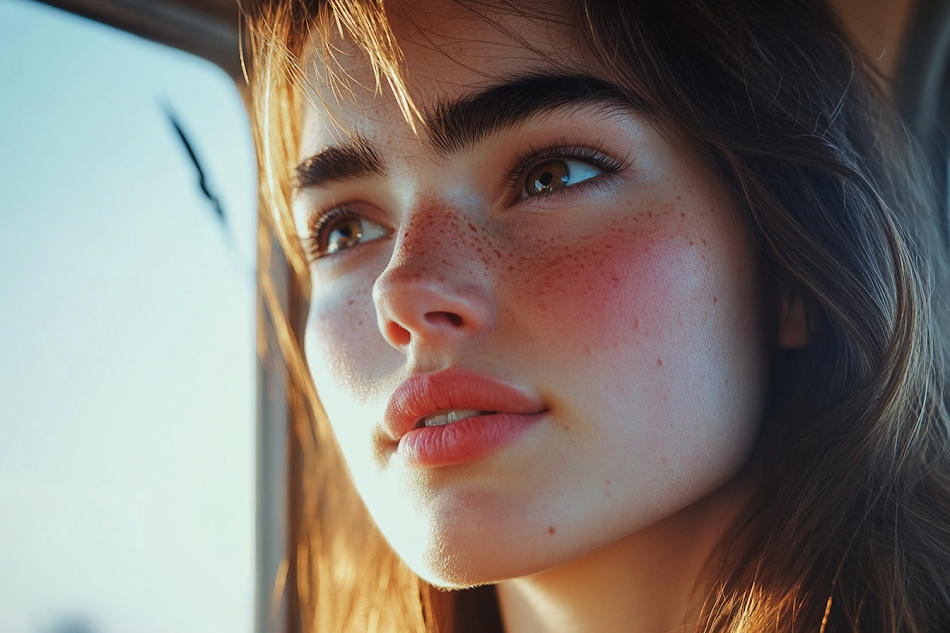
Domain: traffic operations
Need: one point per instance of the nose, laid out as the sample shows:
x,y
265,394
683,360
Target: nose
x,y
434,293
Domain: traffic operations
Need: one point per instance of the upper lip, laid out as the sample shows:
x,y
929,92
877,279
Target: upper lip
x,y
426,394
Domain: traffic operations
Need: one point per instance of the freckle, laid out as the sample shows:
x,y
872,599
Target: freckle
x,y
703,240
682,215
615,279
360,323
659,362
472,227
511,268
607,482
636,324
350,302
715,299
727,382
551,530
691,242
496,252
678,198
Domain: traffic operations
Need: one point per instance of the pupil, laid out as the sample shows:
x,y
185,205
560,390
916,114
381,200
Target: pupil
x,y
344,235
548,177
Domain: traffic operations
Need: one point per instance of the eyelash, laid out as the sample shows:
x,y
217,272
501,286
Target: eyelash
x,y
528,159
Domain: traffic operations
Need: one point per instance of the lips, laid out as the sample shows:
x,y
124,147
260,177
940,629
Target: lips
x,y
455,416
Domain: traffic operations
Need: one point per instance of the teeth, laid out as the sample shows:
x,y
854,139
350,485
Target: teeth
x,y
448,417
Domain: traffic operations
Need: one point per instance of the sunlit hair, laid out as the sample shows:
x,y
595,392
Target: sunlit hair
x,y
851,528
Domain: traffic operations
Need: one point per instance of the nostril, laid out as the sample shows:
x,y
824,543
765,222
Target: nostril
x,y
436,318
398,335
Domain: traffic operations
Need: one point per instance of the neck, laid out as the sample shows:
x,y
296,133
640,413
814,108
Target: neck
x,y
653,581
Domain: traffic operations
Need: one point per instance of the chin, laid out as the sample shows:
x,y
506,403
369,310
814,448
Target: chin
x,y
461,555
468,555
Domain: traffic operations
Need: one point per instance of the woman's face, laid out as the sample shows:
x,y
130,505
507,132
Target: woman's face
x,y
567,285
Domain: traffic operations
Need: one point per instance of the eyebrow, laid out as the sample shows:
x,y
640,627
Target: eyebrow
x,y
348,161
455,125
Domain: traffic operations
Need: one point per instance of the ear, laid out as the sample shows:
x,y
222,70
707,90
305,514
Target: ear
x,y
795,328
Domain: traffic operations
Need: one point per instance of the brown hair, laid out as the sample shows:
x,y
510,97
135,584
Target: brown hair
x,y
851,528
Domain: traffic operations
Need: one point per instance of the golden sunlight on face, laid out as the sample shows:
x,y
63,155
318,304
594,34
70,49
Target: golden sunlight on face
x,y
536,332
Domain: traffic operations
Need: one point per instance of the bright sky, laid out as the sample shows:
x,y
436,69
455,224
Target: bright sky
x,y
126,336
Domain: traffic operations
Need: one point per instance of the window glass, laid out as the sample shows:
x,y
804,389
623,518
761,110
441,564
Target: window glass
x,y
126,335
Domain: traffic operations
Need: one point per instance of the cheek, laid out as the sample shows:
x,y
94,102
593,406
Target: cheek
x,y
350,366
603,291
341,342
655,320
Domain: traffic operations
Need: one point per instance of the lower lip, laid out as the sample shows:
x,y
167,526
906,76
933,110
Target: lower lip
x,y
465,441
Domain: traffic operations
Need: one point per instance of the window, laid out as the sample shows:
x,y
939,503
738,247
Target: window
x,y
127,345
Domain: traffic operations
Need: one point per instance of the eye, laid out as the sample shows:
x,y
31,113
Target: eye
x,y
340,230
551,175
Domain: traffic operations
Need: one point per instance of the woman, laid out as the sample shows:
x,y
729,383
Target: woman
x,y
621,312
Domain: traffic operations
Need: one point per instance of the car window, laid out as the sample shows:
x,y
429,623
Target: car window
x,y
126,335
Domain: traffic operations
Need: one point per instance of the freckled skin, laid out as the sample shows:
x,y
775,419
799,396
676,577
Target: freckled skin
x,y
624,306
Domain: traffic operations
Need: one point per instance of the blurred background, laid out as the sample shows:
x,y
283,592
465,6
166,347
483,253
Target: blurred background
x,y
126,335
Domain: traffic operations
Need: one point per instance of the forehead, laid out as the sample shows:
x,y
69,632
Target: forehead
x,y
450,50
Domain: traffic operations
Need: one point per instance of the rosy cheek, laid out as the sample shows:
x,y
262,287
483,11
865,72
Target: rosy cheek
x,y
636,280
